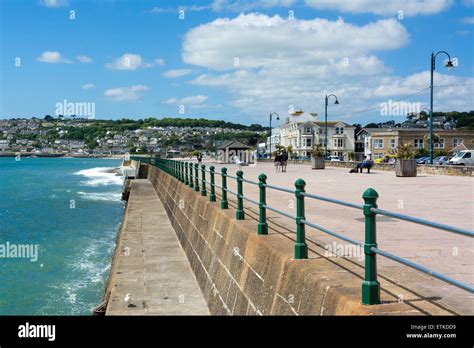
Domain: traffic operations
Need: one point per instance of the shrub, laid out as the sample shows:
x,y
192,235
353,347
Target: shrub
x,y
404,151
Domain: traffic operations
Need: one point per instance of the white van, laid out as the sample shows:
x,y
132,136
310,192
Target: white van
x,y
463,158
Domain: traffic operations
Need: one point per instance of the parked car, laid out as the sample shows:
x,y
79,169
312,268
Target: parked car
x,y
441,160
463,158
385,159
334,158
392,160
422,160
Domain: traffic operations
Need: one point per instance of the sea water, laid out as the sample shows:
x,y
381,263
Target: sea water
x,y
70,209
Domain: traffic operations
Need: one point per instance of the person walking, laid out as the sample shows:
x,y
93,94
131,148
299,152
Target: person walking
x,y
277,162
284,161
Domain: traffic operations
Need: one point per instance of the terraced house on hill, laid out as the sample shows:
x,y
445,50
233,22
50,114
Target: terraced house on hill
x,y
379,142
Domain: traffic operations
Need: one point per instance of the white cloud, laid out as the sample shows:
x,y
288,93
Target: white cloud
x,y
450,92
159,62
84,59
192,8
52,57
193,100
54,3
247,5
132,93
175,73
257,40
130,61
383,7
88,86
468,20
228,5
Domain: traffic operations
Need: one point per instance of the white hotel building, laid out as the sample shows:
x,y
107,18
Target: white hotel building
x,y
302,130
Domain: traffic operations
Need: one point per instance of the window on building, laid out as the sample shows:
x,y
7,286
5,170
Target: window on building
x,y
378,143
338,142
457,141
308,130
418,143
378,155
308,142
339,130
440,144
393,143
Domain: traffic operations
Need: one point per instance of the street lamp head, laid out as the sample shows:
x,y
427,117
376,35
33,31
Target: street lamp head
x,y
449,64
278,118
336,102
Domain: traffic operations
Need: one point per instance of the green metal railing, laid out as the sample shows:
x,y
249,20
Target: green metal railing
x,y
182,171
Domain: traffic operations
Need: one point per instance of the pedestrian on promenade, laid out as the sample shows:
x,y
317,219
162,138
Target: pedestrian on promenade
x,y
238,161
277,162
199,158
284,160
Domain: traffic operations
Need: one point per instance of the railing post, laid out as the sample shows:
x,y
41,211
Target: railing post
x,y
370,285
212,196
191,184
301,248
196,177
178,171
239,214
186,180
224,203
181,171
262,224
203,180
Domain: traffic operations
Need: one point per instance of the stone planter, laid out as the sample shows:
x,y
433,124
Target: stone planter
x,y
317,163
405,167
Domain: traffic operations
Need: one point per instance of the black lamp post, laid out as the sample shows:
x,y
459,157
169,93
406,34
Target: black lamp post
x,y
326,121
448,65
277,118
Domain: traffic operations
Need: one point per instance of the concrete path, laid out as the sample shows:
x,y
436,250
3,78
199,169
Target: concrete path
x,y
151,274
444,199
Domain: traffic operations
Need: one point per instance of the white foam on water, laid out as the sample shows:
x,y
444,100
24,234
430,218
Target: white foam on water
x,y
100,176
103,196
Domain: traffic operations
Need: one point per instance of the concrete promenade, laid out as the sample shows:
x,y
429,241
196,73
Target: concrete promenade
x,y
444,199
151,274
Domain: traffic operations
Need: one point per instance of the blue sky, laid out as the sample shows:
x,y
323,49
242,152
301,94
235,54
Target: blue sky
x,y
236,60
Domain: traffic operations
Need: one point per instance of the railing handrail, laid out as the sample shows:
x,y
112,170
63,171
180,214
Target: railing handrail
x,y
419,221
423,269
370,287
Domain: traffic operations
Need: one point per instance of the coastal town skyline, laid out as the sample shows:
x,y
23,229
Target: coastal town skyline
x,y
163,63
